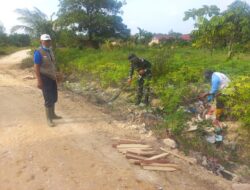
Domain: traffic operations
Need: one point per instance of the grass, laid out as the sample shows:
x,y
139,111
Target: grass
x,y
177,78
176,72
6,50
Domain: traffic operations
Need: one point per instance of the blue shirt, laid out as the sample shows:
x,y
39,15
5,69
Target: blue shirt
x,y
215,86
38,57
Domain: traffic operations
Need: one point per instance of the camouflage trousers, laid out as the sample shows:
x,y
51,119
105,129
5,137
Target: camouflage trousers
x,y
143,89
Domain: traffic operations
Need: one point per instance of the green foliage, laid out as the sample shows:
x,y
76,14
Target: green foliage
x,y
5,50
98,19
108,68
35,23
143,36
3,39
239,99
176,121
201,13
2,29
177,73
162,63
19,40
67,38
230,28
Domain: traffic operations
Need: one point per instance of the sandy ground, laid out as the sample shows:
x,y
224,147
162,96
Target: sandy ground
x,y
77,154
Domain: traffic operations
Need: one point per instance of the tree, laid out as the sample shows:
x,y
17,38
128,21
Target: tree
x,y
207,20
3,36
97,19
34,22
230,28
2,29
202,13
175,35
236,30
143,36
19,40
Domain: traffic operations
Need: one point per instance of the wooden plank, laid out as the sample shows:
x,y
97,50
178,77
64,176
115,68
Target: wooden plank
x,y
158,156
158,168
134,161
126,141
133,146
142,153
162,165
125,150
191,161
162,161
136,148
132,156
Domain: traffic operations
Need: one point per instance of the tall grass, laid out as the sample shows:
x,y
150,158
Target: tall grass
x,y
176,72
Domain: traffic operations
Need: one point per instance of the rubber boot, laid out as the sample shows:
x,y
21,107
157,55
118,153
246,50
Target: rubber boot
x,y
49,118
54,116
138,100
146,100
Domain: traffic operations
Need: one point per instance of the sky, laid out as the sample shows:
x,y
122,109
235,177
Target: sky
x,y
156,16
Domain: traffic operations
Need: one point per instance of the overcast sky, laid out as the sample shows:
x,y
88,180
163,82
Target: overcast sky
x,y
157,16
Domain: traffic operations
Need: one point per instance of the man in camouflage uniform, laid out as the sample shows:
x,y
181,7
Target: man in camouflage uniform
x,y
143,67
45,69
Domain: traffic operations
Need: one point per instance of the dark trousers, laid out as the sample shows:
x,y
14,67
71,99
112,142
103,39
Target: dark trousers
x,y
220,101
143,85
49,91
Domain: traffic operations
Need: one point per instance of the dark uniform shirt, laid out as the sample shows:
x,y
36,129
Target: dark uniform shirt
x,y
140,64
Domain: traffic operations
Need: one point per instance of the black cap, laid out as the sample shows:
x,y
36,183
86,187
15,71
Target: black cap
x,y
131,56
208,74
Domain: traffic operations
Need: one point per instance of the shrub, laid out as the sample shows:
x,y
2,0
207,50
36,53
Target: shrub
x,y
239,99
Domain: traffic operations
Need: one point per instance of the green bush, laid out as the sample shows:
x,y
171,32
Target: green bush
x,y
177,73
239,99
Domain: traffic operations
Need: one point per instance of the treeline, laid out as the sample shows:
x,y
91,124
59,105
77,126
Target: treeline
x,y
228,29
18,40
92,23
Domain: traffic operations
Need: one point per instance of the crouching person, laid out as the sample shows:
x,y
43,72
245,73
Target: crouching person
x,y
219,82
143,67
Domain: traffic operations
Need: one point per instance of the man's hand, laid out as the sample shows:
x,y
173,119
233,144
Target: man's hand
x,y
40,85
202,96
129,81
141,72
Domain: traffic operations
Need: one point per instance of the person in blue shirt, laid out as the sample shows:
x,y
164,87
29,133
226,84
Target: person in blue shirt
x,y
44,65
219,81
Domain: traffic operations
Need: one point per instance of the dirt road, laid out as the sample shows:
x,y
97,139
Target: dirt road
x,y
77,153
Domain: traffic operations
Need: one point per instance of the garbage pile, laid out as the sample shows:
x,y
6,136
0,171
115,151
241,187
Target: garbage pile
x,y
205,114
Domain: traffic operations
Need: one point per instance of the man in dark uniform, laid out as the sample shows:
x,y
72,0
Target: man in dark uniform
x,y
44,65
143,67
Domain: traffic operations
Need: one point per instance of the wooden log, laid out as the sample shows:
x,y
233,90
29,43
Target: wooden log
x,y
158,168
158,156
189,160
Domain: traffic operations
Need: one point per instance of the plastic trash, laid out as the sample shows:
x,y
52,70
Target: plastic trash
x,y
211,139
218,138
